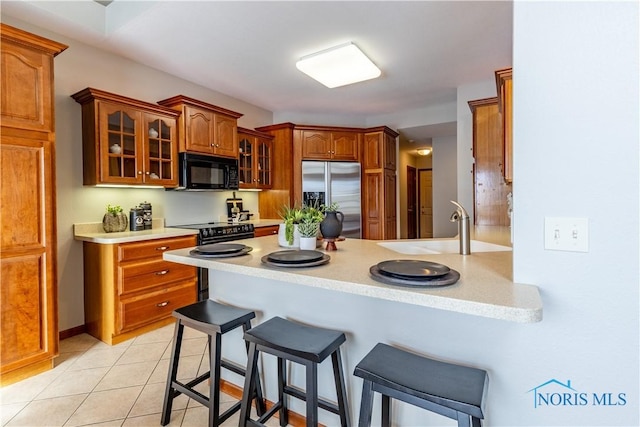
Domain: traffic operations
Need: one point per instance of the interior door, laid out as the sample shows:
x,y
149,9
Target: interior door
x,y
412,214
425,189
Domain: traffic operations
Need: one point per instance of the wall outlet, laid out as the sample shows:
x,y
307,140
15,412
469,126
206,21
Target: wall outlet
x,y
566,234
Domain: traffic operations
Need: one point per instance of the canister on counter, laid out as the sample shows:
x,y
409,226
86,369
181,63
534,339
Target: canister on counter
x,y
136,219
146,214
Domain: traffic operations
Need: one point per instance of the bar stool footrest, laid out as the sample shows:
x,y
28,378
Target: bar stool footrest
x,y
322,402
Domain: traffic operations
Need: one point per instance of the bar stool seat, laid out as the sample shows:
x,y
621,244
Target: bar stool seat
x,y
213,319
455,391
306,345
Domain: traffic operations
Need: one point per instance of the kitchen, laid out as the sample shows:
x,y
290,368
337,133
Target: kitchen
x,y
562,345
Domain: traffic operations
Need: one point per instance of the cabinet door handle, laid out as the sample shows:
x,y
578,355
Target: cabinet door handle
x,y
162,248
139,172
162,304
161,273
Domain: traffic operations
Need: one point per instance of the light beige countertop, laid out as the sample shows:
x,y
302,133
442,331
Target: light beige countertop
x,y
485,287
93,232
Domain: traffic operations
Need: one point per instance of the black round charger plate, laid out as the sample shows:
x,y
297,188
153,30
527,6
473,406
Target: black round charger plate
x,y
323,260
448,279
196,252
295,256
412,269
220,248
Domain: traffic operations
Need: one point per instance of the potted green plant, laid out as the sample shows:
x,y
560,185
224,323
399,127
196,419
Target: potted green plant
x,y
288,235
309,227
114,219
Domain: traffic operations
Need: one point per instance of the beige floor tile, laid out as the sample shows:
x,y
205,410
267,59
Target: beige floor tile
x,y
151,400
154,420
10,410
193,346
47,412
111,423
142,353
190,333
187,369
98,357
82,342
74,382
103,406
121,376
27,390
196,417
163,335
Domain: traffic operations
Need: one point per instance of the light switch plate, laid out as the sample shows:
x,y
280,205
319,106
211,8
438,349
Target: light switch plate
x,y
566,234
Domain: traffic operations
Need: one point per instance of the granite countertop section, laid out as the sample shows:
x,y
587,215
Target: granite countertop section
x,y
93,232
484,289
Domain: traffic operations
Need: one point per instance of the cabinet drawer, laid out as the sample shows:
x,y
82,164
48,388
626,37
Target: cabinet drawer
x,y
151,274
153,248
266,231
138,311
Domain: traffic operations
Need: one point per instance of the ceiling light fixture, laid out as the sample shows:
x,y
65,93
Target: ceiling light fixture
x,y
424,151
338,66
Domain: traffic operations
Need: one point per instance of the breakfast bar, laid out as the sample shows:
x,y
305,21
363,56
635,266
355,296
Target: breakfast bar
x,y
460,323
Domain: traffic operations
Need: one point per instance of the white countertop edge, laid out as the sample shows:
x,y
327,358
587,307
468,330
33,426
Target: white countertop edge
x,y
133,236
530,314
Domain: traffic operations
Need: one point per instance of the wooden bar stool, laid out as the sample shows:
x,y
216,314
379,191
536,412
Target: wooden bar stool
x,y
213,319
302,344
455,391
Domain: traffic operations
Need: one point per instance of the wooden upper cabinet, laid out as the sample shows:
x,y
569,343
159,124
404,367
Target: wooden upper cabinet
x,y
379,149
205,128
255,165
28,243
127,141
504,83
327,144
27,73
345,146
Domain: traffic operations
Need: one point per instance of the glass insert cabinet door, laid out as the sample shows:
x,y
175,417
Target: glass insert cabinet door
x,y
120,153
245,161
263,164
161,152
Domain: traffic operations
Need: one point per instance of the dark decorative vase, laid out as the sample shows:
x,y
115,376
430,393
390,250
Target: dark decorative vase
x,y
331,225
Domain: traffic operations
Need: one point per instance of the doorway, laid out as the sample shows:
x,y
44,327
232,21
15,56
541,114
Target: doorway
x,y
425,196
412,212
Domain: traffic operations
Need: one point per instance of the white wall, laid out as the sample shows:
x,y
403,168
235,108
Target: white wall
x,y
576,154
79,67
445,186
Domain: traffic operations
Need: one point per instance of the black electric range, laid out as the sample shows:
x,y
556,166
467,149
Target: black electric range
x,y
216,232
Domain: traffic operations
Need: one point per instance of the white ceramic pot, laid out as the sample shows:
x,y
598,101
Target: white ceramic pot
x,y
308,243
282,241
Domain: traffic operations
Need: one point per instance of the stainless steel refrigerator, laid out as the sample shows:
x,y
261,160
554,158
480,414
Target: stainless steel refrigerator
x,y
328,182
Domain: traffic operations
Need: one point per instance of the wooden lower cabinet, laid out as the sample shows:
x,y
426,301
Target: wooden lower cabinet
x,y
129,289
379,204
270,230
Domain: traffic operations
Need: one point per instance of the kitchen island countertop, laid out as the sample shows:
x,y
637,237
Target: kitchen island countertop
x,y
485,287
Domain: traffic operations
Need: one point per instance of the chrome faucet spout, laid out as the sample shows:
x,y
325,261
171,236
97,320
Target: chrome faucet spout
x,y
461,216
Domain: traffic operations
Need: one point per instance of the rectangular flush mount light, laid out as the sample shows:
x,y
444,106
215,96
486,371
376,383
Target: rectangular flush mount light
x,y
339,66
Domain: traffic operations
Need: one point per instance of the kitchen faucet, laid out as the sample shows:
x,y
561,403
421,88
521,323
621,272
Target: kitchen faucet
x,y
462,218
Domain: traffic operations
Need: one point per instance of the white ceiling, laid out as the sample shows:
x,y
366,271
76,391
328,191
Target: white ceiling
x,y
248,50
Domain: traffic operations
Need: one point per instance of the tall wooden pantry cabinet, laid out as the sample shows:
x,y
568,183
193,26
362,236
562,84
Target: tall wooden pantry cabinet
x,y
29,327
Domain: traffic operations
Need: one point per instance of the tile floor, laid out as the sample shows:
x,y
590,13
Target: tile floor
x,y
122,385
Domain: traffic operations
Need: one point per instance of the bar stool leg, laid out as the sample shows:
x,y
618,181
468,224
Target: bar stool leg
x,y
338,375
282,397
463,420
169,393
312,394
260,405
366,404
386,411
249,380
214,379
475,422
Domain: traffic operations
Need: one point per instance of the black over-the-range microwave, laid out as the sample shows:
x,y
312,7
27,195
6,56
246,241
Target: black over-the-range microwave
x,y
199,172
